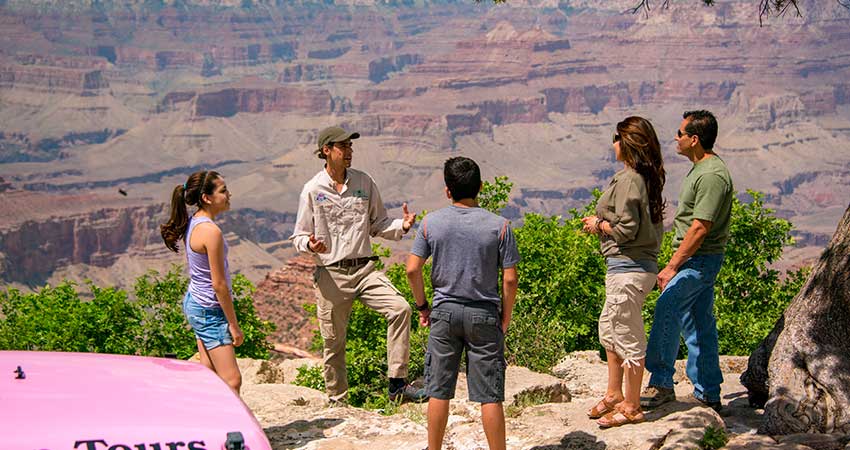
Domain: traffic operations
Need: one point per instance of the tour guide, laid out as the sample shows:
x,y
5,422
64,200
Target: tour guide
x,y
339,209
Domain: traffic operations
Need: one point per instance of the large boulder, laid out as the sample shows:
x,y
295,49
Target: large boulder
x,y
801,369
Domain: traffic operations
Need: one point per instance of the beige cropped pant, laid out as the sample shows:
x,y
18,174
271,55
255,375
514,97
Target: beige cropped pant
x,y
620,323
336,290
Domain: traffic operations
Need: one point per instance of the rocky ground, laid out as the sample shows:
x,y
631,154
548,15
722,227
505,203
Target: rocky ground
x,y
544,412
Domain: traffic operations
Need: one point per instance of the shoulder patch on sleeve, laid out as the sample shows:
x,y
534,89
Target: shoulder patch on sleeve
x,y
425,227
504,230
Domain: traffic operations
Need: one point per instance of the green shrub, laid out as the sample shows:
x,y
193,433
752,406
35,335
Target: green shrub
x,y
713,438
750,296
494,196
311,377
166,329
366,350
562,290
366,343
562,287
56,319
110,310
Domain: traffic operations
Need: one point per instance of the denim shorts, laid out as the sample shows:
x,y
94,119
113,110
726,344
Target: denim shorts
x,y
209,324
474,327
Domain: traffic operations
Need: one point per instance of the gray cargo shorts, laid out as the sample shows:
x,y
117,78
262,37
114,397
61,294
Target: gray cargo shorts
x,y
475,327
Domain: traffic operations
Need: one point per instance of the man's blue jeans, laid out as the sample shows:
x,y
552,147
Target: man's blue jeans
x,y
686,307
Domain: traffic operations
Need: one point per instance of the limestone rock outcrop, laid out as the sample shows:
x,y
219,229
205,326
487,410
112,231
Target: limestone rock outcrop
x,y
52,79
117,237
543,412
229,102
34,249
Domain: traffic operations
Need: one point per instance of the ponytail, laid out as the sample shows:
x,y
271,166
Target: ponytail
x,y
189,193
175,229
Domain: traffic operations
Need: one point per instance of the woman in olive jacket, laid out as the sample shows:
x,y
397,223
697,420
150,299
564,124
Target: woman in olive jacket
x,y
628,222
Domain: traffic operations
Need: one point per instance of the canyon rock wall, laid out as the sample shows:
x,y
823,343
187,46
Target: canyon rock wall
x,y
97,96
34,249
280,298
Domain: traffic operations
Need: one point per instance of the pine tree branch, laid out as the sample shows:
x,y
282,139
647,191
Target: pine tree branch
x,y
647,7
780,7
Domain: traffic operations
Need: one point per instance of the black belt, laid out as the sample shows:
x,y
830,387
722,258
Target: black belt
x,y
353,262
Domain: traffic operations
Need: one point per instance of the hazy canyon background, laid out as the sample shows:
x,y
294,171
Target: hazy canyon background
x,y
97,96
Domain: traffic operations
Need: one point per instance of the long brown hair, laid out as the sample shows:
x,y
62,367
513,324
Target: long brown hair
x,y
640,150
189,193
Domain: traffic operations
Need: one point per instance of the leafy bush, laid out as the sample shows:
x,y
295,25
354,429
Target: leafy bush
x,y
749,295
57,319
311,377
562,290
562,286
366,348
713,438
366,343
166,329
494,196
562,278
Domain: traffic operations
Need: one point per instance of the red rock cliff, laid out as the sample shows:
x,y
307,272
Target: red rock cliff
x,y
33,249
281,297
229,102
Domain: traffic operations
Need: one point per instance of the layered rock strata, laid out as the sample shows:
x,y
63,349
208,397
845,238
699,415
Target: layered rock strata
x,y
280,298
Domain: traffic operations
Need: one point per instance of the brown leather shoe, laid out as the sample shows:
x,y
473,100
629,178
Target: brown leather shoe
x,y
655,396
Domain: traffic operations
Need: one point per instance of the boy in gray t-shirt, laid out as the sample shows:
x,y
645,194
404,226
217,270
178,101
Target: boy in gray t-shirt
x,y
468,246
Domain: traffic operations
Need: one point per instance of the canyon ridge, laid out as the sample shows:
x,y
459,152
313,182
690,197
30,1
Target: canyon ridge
x,y
106,105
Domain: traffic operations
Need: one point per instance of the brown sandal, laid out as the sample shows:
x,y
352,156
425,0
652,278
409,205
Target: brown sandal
x,y
618,417
601,408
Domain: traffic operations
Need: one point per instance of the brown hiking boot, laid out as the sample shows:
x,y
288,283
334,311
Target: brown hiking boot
x,y
655,396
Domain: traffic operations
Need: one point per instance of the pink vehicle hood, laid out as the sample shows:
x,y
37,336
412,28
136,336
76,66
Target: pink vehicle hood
x,y
88,401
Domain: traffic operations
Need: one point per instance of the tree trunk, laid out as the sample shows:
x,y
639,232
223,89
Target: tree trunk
x,y
802,369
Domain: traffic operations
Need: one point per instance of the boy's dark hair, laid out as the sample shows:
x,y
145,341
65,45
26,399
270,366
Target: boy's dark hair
x,y
702,123
463,177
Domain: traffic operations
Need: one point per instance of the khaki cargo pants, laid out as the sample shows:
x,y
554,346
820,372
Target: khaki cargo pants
x,y
336,290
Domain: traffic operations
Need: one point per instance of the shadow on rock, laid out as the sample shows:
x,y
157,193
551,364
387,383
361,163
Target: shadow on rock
x,y
669,408
577,440
300,432
740,406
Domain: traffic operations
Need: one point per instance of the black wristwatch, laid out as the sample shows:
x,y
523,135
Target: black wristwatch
x,y
425,306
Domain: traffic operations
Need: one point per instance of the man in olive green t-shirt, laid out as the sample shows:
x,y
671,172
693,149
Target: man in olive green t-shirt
x,y
686,304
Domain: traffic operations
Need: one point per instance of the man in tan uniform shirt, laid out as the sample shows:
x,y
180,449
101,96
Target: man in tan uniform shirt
x,y
340,208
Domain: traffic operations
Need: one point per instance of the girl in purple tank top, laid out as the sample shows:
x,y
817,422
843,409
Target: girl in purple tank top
x,y
208,304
